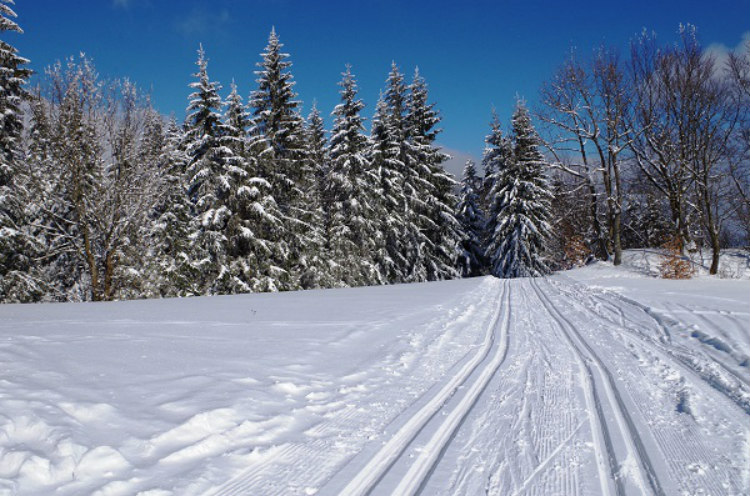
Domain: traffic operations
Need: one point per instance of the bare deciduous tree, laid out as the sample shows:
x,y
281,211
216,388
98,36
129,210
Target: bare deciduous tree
x,y
588,104
101,189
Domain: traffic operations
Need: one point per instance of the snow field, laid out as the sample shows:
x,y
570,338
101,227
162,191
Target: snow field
x,y
597,381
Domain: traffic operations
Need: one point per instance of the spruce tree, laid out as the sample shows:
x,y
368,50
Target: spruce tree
x,y
433,202
520,206
255,218
209,182
319,268
17,246
469,213
412,261
384,156
498,156
317,145
277,137
170,270
349,186
495,152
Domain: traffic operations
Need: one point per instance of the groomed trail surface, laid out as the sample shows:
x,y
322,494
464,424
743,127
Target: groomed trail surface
x,y
583,383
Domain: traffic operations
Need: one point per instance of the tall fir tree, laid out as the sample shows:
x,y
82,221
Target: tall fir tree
x,y
209,184
497,158
520,206
170,270
469,213
433,202
317,145
351,188
253,227
495,153
17,246
318,267
412,262
384,156
277,137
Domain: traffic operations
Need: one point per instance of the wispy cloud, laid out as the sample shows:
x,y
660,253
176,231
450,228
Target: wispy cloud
x,y
201,20
457,161
123,4
721,52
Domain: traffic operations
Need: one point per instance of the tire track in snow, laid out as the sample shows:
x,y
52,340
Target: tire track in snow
x,y
378,466
645,475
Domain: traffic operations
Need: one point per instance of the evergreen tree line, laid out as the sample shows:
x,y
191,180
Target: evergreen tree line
x,y
105,199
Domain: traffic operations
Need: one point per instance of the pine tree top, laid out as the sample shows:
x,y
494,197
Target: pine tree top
x,y
203,110
275,116
6,17
315,122
236,117
470,173
526,139
348,124
395,93
422,115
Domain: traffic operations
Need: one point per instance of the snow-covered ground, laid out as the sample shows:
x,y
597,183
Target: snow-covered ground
x,y
597,381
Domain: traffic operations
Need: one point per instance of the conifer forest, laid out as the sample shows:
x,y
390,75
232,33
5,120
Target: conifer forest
x,y
104,198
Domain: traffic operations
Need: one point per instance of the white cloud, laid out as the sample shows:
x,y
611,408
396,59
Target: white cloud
x,y
456,164
202,21
721,52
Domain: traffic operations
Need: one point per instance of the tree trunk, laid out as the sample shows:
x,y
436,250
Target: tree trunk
x,y
600,244
617,244
715,252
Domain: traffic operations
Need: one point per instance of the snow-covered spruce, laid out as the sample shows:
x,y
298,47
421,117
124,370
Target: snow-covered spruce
x,y
18,282
168,270
351,193
519,206
318,269
384,155
252,230
469,214
435,202
496,150
211,171
277,137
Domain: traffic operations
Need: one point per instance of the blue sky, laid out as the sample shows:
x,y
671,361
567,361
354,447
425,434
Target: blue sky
x,y
474,55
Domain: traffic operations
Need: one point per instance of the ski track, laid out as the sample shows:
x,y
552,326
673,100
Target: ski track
x,y
635,452
682,444
368,478
253,479
510,425
700,363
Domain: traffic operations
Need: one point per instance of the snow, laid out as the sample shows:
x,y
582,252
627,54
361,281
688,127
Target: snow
x,y
600,380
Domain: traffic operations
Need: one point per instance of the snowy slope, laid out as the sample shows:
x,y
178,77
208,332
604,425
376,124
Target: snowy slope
x,y
597,381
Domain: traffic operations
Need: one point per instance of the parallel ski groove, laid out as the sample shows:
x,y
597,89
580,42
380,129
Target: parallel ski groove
x,y
675,355
370,475
624,421
605,460
421,469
